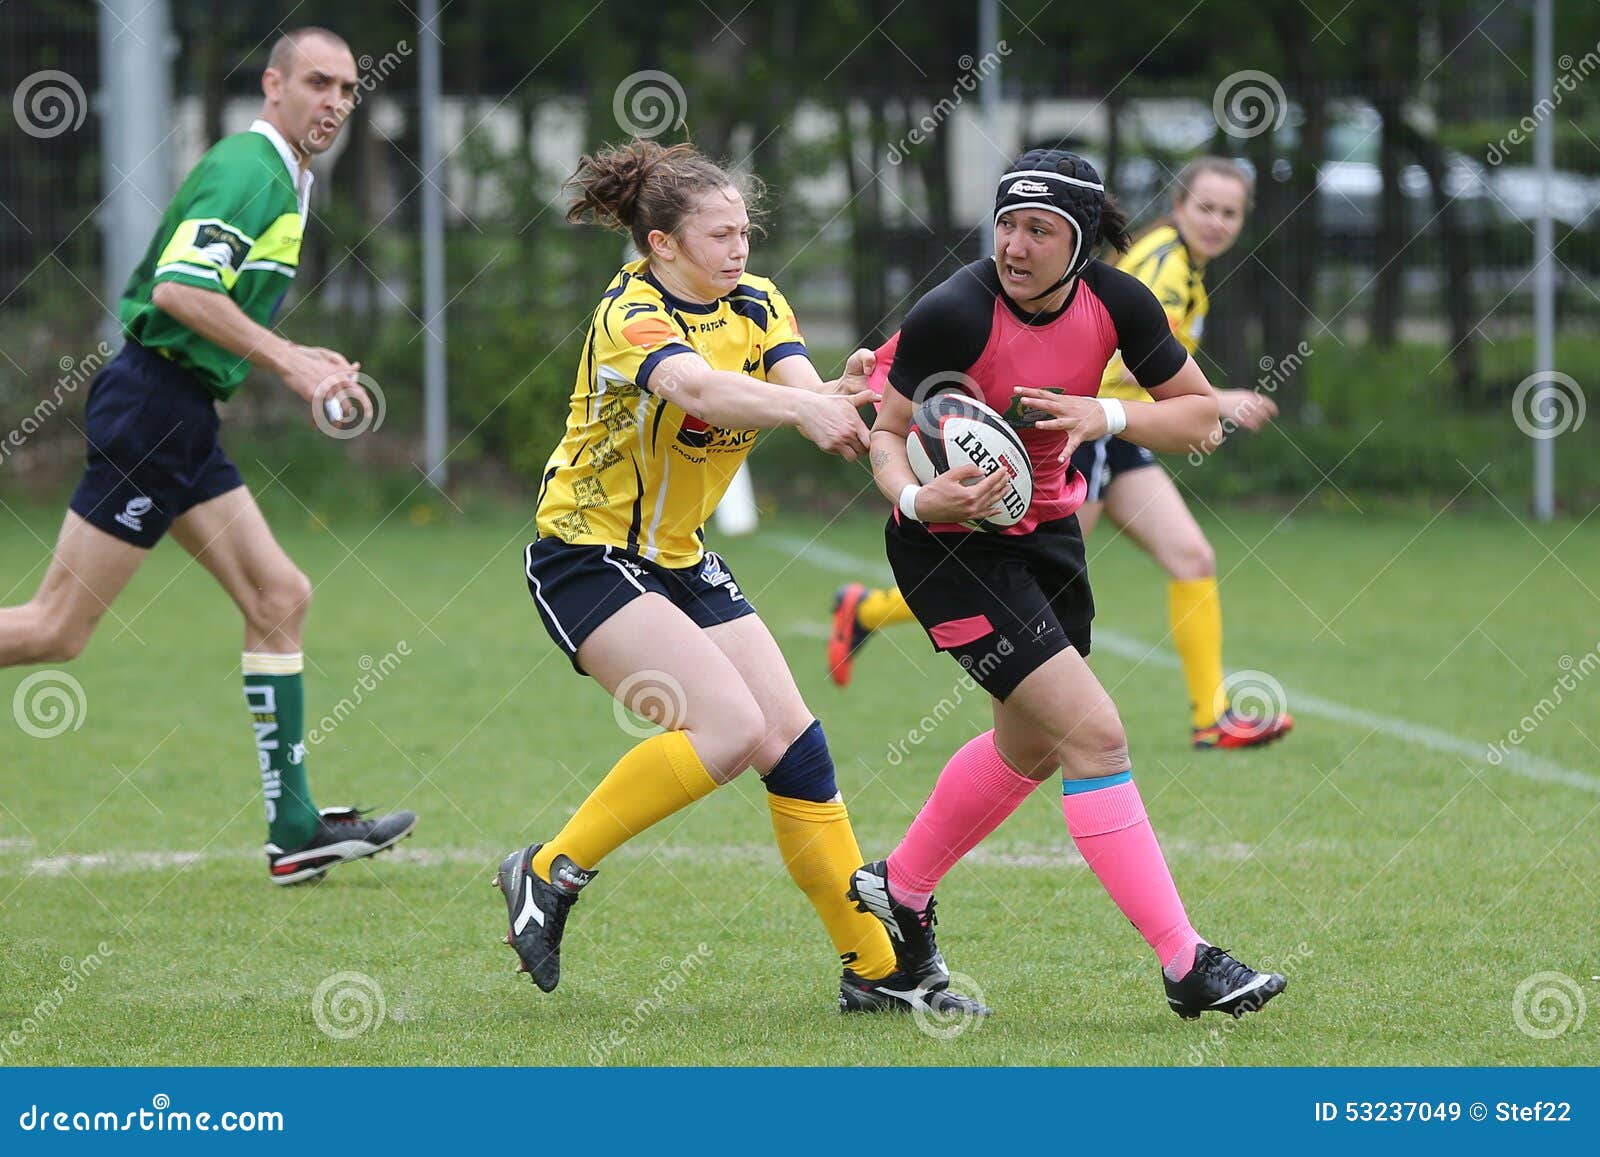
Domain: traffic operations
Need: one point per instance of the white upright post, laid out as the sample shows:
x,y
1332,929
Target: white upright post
x,y
1544,286
435,410
136,124
736,513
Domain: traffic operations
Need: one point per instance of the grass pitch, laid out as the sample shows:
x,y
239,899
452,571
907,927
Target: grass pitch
x,y
1413,890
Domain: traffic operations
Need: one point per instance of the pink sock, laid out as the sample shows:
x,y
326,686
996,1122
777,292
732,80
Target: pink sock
x,y
975,792
1108,823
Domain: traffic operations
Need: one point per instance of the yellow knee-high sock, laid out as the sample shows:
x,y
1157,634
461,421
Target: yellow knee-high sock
x,y
1197,633
819,847
658,777
883,608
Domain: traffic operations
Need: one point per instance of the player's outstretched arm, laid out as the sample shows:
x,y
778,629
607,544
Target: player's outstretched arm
x,y
798,373
739,402
311,373
1248,408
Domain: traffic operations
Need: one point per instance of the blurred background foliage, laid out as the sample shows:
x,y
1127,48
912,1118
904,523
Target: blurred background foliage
x,y
1391,234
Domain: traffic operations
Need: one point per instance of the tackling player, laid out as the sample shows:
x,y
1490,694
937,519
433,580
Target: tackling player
x,y
688,357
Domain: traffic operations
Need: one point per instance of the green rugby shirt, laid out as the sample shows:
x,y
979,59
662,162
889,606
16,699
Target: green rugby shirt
x,y
234,227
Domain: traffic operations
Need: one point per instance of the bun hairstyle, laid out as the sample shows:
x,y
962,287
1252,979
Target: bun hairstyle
x,y
643,186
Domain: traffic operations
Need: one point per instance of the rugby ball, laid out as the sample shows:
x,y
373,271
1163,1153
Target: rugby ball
x,y
953,429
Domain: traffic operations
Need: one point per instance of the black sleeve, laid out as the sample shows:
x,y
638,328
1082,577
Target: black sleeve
x,y
944,332
1149,350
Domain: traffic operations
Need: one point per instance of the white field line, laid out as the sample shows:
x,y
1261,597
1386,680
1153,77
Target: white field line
x,y
1126,647
1009,855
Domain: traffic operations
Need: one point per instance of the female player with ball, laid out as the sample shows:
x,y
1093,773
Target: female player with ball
x,y
1211,196
688,356
1031,332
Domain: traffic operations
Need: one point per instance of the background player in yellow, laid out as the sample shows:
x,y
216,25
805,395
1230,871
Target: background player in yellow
x,y
687,358
1211,196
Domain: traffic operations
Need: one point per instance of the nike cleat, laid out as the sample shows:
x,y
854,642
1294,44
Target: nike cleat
x,y
538,911
910,931
848,634
1219,983
900,992
1231,731
342,835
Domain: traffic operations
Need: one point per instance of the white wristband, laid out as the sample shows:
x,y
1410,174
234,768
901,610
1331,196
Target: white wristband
x,y
908,501
1116,414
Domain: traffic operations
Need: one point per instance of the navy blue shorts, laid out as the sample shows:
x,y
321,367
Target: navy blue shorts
x,y
578,587
1102,460
153,448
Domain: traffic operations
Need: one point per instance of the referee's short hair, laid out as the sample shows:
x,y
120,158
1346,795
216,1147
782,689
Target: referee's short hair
x,y
284,47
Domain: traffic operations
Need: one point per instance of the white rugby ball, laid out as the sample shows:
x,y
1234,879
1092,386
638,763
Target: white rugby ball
x,y
953,429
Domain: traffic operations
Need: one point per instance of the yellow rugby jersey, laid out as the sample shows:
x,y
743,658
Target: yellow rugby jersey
x,y
1161,260
635,470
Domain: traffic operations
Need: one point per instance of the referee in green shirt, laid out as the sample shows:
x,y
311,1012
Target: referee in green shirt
x,y
195,315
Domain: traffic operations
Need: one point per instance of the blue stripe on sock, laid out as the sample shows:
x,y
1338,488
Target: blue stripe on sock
x,y
1079,786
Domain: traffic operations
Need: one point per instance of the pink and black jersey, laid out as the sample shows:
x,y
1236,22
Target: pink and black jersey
x,y
968,325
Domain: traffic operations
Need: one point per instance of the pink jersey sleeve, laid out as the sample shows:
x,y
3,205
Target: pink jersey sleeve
x,y
880,372
879,381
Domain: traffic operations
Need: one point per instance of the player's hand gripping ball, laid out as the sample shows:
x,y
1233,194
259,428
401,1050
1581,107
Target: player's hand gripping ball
x,y
953,429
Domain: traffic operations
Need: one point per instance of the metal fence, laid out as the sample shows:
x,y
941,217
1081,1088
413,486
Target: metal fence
x,y
1391,215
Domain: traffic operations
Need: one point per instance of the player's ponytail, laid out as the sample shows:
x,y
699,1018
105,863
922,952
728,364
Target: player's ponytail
x,y
642,186
1114,225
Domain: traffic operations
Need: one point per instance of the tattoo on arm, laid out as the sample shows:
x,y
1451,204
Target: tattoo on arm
x,y
880,457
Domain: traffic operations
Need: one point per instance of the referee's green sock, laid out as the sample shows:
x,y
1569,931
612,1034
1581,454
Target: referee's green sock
x,y
274,693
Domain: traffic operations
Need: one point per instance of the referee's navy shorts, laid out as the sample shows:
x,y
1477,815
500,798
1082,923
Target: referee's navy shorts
x,y
154,450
